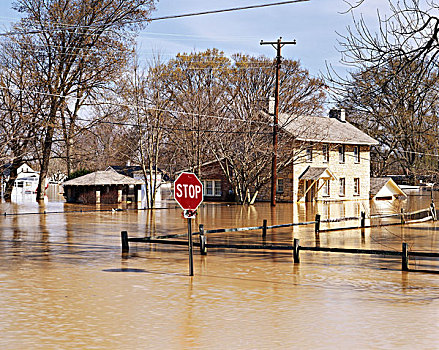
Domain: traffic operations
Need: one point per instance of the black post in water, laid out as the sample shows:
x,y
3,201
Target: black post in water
x,y
264,228
363,220
317,224
124,239
405,257
296,249
189,234
203,249
433,210
402,216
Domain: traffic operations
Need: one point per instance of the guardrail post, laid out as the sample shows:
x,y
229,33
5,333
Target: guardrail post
x,y
124,239
363,219
402,216
317,224
296,250
203,249
264,229
433,211
405,257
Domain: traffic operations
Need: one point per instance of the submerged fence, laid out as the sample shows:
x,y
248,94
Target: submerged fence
x,y
402,218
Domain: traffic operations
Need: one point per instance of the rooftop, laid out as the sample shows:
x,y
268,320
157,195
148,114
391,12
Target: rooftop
x,y
100,178
324,129
377,183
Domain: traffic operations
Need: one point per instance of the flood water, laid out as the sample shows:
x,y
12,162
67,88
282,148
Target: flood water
x,y
66,285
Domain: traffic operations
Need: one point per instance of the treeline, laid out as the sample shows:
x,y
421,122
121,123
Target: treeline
x,y
56,62
392,89
74,95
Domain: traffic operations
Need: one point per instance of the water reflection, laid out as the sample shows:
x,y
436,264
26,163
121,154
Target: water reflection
x,y
64,284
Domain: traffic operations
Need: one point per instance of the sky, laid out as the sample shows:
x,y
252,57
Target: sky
x,y
313,24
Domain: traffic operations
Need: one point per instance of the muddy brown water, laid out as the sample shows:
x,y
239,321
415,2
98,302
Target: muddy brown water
x,y
66,285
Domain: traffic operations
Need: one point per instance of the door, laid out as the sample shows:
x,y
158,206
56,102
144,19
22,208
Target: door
x,y
311,190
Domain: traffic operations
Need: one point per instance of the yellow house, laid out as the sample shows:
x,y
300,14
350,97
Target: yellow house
x,y
332,159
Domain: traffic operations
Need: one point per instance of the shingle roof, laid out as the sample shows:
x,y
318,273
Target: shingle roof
x,y
324,129
377,183
127,170
312,173
100,178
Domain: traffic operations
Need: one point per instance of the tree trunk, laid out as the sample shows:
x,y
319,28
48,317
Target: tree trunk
x,y
47,149
12,177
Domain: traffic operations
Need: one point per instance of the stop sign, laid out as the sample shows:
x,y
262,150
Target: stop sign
x,y
188,191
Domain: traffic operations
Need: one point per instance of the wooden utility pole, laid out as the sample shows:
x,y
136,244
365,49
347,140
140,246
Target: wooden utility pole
x,y
277,45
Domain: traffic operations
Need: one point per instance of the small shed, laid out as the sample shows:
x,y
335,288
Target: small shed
x,y
107,187
384,188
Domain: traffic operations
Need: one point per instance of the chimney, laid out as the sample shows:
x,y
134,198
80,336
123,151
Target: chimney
x,y
271,103
338,113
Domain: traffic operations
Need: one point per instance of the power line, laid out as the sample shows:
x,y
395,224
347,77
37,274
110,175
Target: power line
x,y
143,125
137,125
130,106
226,10
185,129
229,64
160,110
66,26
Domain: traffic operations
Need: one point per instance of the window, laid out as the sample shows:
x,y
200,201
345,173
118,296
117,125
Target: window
x,y
217,188
326,153
327,188
342,186
280,186
341,154
357,186
212,188
309,154
209,188
357,154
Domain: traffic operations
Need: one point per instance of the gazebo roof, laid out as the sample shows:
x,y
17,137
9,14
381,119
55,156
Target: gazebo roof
x,y
101,178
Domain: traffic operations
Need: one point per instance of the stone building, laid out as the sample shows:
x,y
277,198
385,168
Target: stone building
x,y
332,162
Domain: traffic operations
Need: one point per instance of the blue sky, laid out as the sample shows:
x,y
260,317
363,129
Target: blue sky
x,y
313,24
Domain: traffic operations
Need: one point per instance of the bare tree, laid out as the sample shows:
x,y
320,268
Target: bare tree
x,y
402,114
68,38
21,105
192,83
215,108
408,34
393,89
145,109
243,144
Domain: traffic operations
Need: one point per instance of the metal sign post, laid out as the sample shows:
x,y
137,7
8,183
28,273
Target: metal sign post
x,y
190,214
188,192
189,235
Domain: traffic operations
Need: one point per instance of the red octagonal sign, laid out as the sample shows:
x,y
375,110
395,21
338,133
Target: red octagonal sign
x,y
188,191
